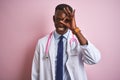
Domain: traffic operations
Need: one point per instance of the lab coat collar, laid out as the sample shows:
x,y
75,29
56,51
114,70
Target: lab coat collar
x,y
52,55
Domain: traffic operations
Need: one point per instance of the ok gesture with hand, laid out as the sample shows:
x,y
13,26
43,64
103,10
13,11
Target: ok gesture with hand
x,y
69,20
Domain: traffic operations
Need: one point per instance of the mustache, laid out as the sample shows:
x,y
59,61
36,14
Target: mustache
x,y
60,26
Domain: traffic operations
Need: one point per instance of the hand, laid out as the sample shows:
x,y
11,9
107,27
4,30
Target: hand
x,y
69,20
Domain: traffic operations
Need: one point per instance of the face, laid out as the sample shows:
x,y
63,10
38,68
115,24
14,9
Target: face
x,y
60,28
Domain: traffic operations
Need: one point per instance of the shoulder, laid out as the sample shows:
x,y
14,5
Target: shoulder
x,y
43,40
41,43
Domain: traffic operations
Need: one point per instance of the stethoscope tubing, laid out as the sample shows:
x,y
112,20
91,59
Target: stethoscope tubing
x,y
49,41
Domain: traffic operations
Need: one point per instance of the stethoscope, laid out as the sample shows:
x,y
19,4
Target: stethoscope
x,y
73,39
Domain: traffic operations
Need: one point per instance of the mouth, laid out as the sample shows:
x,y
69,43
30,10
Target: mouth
x,y
61,28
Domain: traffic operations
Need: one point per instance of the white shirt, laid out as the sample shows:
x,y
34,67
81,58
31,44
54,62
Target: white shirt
x,y
65,56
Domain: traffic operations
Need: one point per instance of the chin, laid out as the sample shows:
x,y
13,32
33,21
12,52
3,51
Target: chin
x,y
61,31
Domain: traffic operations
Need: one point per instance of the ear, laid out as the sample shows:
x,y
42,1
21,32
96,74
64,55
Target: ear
x,y
54,18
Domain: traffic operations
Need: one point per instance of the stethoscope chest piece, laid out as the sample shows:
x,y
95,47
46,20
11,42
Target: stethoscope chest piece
x,y
45,56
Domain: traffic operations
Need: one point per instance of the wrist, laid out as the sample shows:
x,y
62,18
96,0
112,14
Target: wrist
x,y
75,30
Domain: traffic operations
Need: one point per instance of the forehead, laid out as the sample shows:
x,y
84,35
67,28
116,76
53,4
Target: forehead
x,y
60,13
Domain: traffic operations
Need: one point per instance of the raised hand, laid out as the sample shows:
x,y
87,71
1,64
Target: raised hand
x,y
69,20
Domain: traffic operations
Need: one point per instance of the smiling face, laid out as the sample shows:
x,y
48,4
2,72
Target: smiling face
x,y
60,28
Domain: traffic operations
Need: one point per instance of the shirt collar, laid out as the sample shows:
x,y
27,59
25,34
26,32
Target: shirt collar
x,y
56,35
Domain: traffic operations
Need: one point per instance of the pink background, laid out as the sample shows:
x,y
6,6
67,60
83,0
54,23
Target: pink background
x,y
23,22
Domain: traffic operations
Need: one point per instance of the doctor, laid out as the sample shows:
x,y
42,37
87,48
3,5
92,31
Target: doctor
x,y
61,54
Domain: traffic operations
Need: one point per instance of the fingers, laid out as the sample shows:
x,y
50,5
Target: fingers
x,y
68,21
73,13
63,23
68,12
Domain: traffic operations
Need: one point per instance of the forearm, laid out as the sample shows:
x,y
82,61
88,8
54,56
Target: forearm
x,y
82,40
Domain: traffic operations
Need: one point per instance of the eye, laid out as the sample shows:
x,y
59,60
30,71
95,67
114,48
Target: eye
x,y
67,20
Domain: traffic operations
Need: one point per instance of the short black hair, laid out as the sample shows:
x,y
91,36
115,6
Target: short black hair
x,y
62,6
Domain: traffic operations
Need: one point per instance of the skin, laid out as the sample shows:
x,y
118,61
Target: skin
x,y
64,20
59,16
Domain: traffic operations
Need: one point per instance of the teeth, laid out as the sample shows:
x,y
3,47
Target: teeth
x,y
61,28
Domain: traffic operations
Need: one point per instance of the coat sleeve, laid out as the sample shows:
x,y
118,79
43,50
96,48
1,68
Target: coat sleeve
x,y
91,54
35,64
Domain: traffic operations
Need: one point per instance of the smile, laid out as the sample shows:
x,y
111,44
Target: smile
x,y
61,28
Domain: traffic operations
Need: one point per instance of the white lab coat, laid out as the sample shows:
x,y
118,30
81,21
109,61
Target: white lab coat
x,y
44,68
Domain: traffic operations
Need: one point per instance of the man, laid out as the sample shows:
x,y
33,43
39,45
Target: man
x,y
61,54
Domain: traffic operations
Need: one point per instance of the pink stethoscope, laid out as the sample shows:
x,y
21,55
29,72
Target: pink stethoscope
x,y
73,39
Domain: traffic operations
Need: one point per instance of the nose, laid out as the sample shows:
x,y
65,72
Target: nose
x,y
59,23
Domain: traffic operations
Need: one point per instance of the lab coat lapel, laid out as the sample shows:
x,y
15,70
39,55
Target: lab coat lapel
x,y
69,63
69,53
71,44
52,55
68,43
